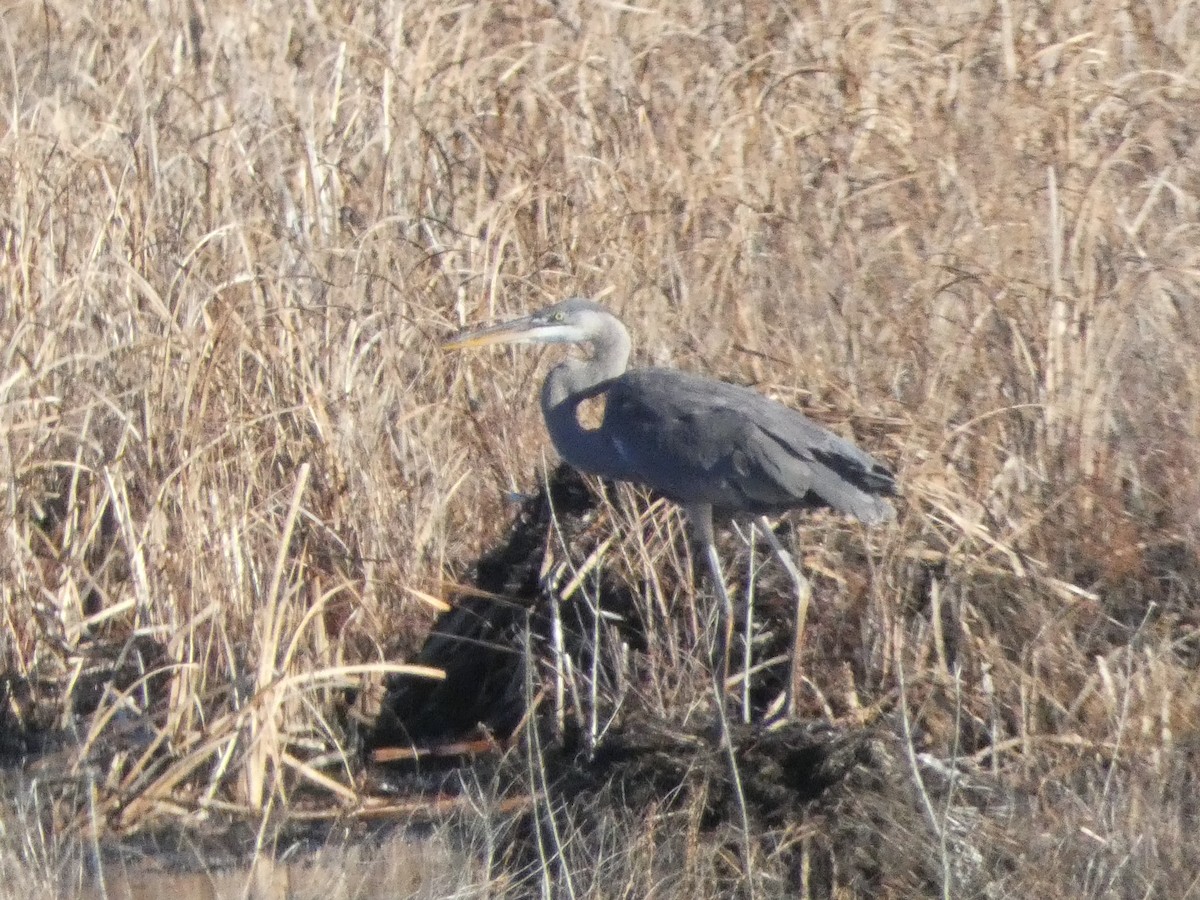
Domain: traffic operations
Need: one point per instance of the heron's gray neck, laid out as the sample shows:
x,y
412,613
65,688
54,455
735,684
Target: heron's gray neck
x,y
569,384
610,356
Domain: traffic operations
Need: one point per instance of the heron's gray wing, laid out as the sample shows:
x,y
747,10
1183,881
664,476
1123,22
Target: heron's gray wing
x,y
696,439
844,476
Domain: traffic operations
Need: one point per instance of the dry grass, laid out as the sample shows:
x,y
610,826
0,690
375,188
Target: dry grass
x,y
964,233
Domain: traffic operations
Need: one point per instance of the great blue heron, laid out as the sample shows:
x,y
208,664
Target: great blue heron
x,y
709,446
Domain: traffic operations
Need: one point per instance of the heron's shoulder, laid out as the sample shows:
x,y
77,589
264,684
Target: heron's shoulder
x,y
658,394
685,409
665,385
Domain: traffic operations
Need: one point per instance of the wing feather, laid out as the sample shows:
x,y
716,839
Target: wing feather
x,y
696,439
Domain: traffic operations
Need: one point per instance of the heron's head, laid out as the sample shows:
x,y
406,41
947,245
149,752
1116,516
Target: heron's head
x,y
573,321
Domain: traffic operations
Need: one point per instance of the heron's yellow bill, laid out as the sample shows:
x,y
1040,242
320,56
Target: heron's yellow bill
x,y
504,333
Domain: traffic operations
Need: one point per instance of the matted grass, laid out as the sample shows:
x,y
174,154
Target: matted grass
x,y
237,465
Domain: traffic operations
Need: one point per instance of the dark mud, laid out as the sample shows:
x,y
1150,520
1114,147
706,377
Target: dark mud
x,y
477,727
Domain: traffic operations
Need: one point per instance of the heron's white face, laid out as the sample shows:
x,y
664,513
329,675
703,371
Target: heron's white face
x,y
564,323
569,322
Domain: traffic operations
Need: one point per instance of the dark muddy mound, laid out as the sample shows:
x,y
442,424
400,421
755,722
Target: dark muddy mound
x,y
497,648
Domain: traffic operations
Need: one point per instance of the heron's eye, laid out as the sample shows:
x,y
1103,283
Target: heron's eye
x,y
558,317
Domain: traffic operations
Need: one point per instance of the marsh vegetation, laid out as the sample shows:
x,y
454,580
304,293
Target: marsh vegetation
x,y
240,477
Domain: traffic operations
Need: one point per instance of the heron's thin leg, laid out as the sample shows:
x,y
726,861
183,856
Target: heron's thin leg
x,y
700,519
803,598
748,634
720,663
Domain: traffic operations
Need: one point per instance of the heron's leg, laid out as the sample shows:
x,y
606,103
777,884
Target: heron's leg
x,y
724,623
700,520
803,598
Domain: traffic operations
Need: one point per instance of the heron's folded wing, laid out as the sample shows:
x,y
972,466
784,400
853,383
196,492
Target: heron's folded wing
x,y
693,440
698,439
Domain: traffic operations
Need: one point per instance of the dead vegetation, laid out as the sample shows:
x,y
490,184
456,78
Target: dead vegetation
x,y
239,472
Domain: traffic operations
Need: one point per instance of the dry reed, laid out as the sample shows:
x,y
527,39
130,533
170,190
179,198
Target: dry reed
x,y
238,468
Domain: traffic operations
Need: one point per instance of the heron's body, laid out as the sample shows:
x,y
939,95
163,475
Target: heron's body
x,y
710,446
698,440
